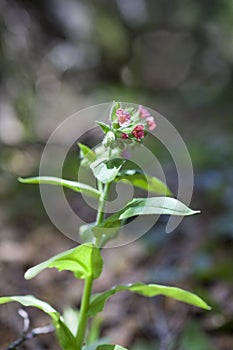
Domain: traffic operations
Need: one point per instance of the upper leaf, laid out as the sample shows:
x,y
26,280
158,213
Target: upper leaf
x,y
73,185
144,181
156,205
104,127
149,290
106,171
115,107
84,261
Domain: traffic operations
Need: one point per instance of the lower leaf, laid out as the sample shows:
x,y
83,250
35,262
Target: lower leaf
x,y
65,337
149,290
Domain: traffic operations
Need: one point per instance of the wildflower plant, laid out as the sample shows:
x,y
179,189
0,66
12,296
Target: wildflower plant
x,y
127,127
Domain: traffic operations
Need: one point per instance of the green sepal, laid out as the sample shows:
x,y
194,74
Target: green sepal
x,y
84,261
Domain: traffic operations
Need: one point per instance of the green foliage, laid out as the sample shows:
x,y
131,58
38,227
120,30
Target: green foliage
x,y
83,261
149,206
143,181
104,127
147,290
115,107
30,300
156,205
73,185
87,152
65,337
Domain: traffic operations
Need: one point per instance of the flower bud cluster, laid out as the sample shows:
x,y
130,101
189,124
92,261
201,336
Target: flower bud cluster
x,y
127,124
134,124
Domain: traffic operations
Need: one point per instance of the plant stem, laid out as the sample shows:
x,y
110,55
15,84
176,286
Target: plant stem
x,y
102,199
83,318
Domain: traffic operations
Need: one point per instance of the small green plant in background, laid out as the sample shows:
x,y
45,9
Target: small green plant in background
x,y
75,328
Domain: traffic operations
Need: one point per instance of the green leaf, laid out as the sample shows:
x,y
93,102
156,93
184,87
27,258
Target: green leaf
x,y
84,261
95,344
30,300
87,152
156,205
144,181
148,290
73,185
65,337
115,107
110,347
104,127
106,171
149,206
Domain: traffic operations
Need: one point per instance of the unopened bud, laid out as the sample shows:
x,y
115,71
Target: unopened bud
x,y
109,139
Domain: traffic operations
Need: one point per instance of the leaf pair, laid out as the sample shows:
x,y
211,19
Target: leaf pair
x,y
86,260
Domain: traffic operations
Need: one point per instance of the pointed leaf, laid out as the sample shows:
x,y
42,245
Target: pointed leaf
x,y
73,185
87,152
84,260
144,181
149,290
104,127
115,107
30,300
106,171
65,337
156,205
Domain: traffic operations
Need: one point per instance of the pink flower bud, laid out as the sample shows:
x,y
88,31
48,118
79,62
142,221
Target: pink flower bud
x,y
151,123
138,132
123,117
143,112
125,136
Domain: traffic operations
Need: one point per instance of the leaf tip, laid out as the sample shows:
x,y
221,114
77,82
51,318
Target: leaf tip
x,y
28,275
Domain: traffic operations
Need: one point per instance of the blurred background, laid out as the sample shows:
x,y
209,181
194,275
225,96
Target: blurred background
x,y
57,57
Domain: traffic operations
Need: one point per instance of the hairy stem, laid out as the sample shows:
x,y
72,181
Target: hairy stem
x,y
103,197
83,319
